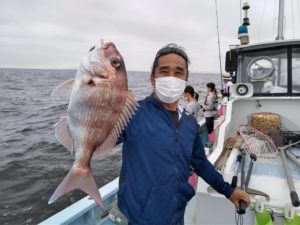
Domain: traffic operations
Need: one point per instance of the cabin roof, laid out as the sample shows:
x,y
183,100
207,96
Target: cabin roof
x,y
270,44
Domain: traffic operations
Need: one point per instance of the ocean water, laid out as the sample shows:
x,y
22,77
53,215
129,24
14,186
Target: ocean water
x,y
32,162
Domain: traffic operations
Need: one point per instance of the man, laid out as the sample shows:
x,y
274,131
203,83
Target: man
x,y
227,84
160,144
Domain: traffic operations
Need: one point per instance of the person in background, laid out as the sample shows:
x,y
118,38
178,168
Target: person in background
x,y
209,106
226,85
192,105
160,144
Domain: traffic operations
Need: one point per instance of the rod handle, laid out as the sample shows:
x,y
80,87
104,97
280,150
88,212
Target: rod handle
x,y
234,181
242,209
295,198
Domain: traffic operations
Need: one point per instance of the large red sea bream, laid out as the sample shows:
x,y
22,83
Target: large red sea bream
x,y
100,106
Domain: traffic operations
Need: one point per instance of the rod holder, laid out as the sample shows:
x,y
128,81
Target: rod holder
x,y
289,211
259,203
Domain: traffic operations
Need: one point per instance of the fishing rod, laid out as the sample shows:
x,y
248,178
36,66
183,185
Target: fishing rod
x,y
253,158
220,62
293,194
242,208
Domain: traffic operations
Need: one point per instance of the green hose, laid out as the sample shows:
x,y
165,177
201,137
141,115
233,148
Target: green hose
x,y
263,218
295,221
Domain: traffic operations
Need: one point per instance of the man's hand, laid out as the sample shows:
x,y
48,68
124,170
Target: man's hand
x,y
238,195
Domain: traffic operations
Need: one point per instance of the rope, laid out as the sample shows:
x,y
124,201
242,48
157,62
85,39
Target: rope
x,y
262,20
293,18
241,12
298,7
274,18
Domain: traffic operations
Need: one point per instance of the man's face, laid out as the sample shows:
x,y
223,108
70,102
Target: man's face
x,y
170,65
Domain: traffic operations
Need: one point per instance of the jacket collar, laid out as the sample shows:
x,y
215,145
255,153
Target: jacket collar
x,y
153,100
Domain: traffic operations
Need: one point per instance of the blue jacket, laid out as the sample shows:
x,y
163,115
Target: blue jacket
x,y
157,155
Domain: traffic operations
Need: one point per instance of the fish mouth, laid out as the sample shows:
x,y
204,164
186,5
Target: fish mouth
x,y
101,76
97,80
106,45
89,80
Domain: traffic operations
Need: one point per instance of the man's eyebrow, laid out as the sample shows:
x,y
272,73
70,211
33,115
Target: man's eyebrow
x,y
180,68
163,67
167,67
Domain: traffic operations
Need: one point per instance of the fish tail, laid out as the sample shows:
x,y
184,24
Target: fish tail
x,y
78,178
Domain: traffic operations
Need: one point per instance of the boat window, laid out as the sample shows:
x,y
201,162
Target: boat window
x,y
296,70
266,70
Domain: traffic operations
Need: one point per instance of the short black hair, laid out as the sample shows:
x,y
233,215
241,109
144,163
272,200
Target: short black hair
x,y
169,49
190,90
211,85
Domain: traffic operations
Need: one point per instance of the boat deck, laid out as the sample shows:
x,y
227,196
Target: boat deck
x,y
269,167
269,172
106,222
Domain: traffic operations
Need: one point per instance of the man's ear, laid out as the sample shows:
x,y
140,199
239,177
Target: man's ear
x,y
152,80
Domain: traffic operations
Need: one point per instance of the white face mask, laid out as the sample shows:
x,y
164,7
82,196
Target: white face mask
x,y
169,89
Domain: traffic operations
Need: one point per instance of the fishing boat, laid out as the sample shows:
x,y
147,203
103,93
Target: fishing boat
x,y
255,143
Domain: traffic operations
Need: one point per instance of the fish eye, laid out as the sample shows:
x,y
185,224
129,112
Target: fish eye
x,y
115,62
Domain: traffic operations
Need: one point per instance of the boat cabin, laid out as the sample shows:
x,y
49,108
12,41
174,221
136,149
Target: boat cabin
x,y
273,68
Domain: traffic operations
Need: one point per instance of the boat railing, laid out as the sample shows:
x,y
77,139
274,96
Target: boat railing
x,y
85,211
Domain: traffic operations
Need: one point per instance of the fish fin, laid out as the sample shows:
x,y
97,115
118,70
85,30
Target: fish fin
x,y
62,134
78,178
63,89
101,154
126,114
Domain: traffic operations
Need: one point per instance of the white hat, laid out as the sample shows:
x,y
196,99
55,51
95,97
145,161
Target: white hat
x,y
226,76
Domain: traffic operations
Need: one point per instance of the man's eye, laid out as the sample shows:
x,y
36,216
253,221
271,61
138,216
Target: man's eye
x,y
179,74
163,72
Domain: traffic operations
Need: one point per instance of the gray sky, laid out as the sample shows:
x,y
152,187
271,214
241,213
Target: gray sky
x,y
57,33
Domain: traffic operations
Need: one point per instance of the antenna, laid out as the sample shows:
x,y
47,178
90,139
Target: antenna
x,y
243,30
280,20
